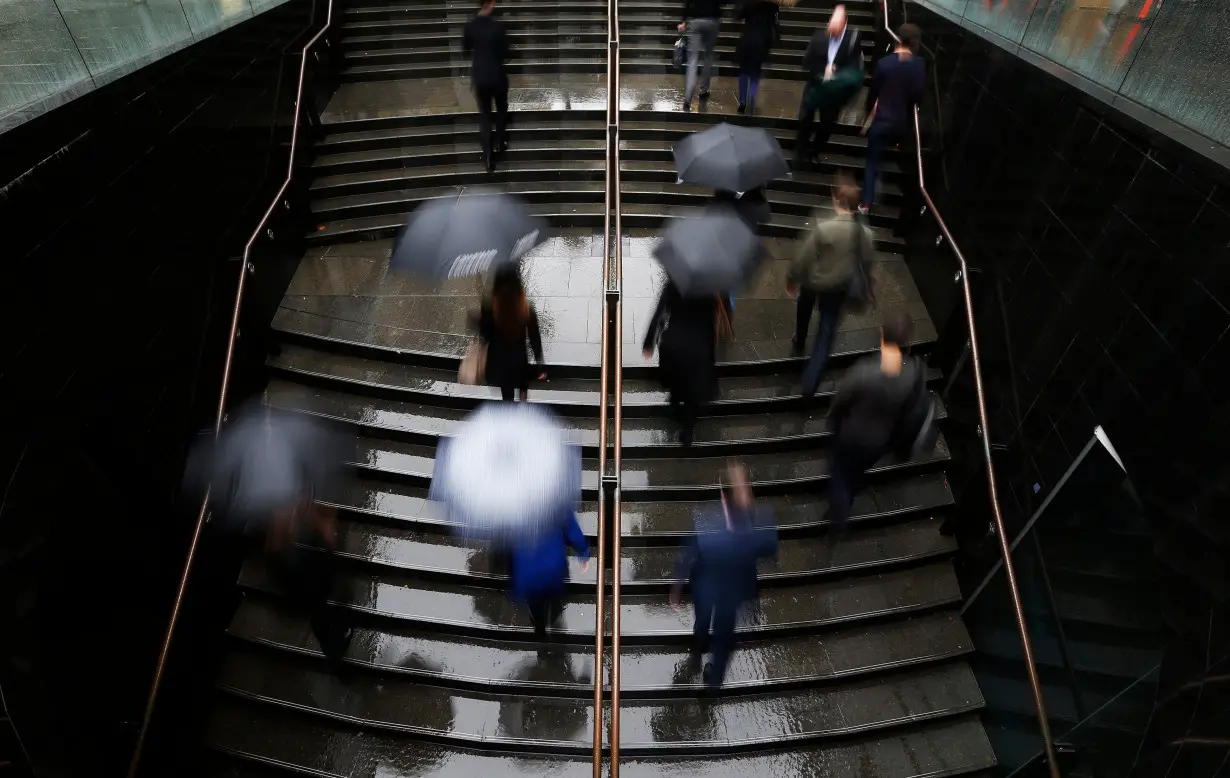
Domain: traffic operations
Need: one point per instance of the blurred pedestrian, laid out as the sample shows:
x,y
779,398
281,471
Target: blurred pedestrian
x,y
834,62
687,351
486,40
506,322
701,21
539,571
300,543
756,39
719,567
896,89
835,254
866,414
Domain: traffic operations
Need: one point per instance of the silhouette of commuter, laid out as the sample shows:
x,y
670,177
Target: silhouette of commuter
x,y
507,323
834,62
756,40
486,40
701,20
866,413
828,266
896,88
719,567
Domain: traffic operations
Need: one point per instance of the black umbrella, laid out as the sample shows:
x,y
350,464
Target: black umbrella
x,y
466,235
265,460
730,157
710,253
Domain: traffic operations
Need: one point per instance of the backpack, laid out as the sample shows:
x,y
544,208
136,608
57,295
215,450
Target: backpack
x,y
917,430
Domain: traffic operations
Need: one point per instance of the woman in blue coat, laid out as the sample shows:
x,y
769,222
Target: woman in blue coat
x,y
539,574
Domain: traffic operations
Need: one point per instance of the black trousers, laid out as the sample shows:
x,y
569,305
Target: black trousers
x,y
847,472
545,611
813,135
492,100
307,575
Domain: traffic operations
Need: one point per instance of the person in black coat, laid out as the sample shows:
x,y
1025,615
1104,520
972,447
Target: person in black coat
x,y
755,42
687,352
834,62
506,321
487,42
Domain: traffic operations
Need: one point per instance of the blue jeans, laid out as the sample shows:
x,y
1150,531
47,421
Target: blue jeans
x,y
879,137
829,303
747,88
702,38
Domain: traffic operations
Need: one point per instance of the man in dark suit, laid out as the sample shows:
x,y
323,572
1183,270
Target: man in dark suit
x,y
485,39
834,60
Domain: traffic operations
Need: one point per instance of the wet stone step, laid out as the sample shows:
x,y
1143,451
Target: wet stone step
x,y
468,169
247,733
783,204
656,214
405,200
446,607
453,27
802,559
839,655
517,40
780,473
804,608
430,657
461,128
390,159
667,521
354,377
401,705
421,424
945,747
817,185
541,50
753,433
407,506
688,725
563,214
521,66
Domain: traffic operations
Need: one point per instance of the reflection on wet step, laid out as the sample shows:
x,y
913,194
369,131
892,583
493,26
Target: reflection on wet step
x,y
452,95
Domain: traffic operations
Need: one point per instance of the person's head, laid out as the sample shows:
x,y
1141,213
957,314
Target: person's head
x,y
486,6
896,332
510,308
837,22
846,195
910,37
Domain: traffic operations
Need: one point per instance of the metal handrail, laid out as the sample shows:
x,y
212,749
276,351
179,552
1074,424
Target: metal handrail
x,y
613,293
164,651
1009,570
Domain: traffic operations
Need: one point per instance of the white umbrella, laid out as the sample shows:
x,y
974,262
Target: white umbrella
x,y
510,471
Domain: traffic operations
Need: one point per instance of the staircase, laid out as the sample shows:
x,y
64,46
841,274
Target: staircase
x,y
855,661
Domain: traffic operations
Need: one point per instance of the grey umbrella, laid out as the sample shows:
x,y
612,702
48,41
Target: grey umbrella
x,y
730,157
265,460
710,253
466,235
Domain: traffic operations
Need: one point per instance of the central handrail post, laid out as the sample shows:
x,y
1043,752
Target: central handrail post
x,y
1031,668
613,353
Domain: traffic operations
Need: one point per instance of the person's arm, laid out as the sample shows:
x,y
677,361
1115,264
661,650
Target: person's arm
x,y
501,45
467,38
802,259
655,322
873,91
575,537
683,571
815,58
535,336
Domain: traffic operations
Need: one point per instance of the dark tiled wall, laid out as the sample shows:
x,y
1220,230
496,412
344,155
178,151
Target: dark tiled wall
x,y
1109,249
120,214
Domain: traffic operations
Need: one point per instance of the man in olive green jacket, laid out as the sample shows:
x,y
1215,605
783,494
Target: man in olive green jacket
x,y
821,275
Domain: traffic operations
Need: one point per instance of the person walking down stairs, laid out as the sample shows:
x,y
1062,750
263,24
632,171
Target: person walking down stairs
x,y
834,62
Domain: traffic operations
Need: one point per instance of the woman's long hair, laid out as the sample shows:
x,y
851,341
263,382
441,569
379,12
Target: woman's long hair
x,y
510,308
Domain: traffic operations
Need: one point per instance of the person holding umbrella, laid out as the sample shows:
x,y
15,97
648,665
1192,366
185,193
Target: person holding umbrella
x,y
756,40
539,570
507,323
719,566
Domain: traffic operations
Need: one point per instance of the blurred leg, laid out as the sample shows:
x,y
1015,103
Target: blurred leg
x,y
501,119
709,36
507,393
702,610
484,98
723,643
802,316
826,331
689,81
742,95
877,138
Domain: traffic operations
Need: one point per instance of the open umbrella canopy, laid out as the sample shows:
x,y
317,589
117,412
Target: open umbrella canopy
x,y
711,253
730,157
509,472
265,460
466,235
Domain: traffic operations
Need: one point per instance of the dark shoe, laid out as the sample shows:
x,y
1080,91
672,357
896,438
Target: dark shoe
x,y
741,109
711,685
751,108
687,106
796,347
490,165
704,94
686,437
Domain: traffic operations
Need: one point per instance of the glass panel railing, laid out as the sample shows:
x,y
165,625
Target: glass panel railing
x,y
1091,594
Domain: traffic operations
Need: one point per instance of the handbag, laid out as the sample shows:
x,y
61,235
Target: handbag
x,y
473,369
859,289
680,57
